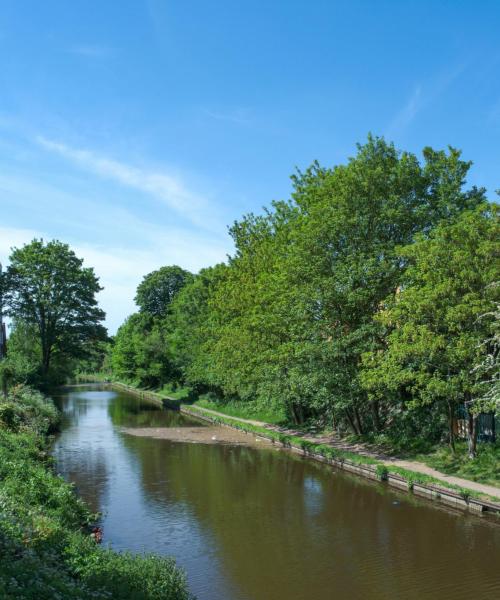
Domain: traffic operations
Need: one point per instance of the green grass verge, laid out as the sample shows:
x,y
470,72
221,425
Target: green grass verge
x,y
243,410
414,477
485,468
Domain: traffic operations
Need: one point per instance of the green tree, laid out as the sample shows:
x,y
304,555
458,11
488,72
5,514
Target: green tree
x,y
189,329
51,290
487,368
435,325
294,313
140,352
22,364
157,289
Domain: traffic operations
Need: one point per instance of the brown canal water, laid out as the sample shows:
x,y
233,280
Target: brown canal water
x,y
263,524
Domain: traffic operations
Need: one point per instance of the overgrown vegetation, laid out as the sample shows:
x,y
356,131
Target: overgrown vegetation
x,y
46,551
243,410
485,468
366,303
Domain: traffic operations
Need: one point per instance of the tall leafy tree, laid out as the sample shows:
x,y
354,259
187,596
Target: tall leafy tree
x,y
295,312
436,322
50,290
190,336
140,351
342,259
157,289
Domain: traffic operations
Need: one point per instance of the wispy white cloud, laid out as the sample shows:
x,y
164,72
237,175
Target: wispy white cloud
x,y
12,237
408,113
168,188
92,51
421,97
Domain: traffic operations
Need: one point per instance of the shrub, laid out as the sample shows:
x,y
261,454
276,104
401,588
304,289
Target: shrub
x,y
382,472
124,575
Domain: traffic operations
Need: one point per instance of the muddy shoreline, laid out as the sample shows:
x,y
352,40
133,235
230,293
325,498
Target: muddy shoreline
x,y
199,435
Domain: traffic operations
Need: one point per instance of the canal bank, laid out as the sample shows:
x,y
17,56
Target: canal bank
x,y
464,495
248,523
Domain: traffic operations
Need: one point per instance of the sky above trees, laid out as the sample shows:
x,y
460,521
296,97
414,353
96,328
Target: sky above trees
x,y
137,131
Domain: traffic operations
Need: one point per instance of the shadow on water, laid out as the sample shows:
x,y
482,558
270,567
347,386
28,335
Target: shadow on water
x,y
265,524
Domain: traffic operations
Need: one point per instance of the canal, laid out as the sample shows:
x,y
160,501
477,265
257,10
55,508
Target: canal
x,y
251,523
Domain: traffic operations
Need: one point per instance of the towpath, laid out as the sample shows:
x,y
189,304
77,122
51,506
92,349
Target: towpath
x,y
364,450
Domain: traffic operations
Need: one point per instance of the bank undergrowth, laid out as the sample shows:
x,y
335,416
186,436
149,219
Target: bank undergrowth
x,y
485,468
46,551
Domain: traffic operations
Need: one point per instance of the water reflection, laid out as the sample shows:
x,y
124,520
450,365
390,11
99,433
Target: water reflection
x,y
263,524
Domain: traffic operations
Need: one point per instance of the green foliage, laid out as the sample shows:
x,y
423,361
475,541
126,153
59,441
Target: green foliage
x,y
361,304
487,367
51,293
485,467
243,410
140,354
23,361
158,289
434,329
97,358
44,548
382,471
190,324
28,410
124,575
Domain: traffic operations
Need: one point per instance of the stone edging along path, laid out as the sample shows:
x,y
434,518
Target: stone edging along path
x,y
377,470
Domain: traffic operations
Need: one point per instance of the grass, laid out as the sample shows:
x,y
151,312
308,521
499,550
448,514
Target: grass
x,y
413,477
485,468
182,393
242,410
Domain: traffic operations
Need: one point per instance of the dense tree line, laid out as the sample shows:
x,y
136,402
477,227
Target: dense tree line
x,y
366,301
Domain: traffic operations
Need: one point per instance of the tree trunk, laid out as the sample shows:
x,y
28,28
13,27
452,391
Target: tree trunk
x,y
358,421
472,422
296,414
351,421
46,351
450,427
376,416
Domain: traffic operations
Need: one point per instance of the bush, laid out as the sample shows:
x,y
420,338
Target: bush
x,y
382,472
124,575
9,417
29,410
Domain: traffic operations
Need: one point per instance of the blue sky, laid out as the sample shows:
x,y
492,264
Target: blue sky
x,y
138,130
